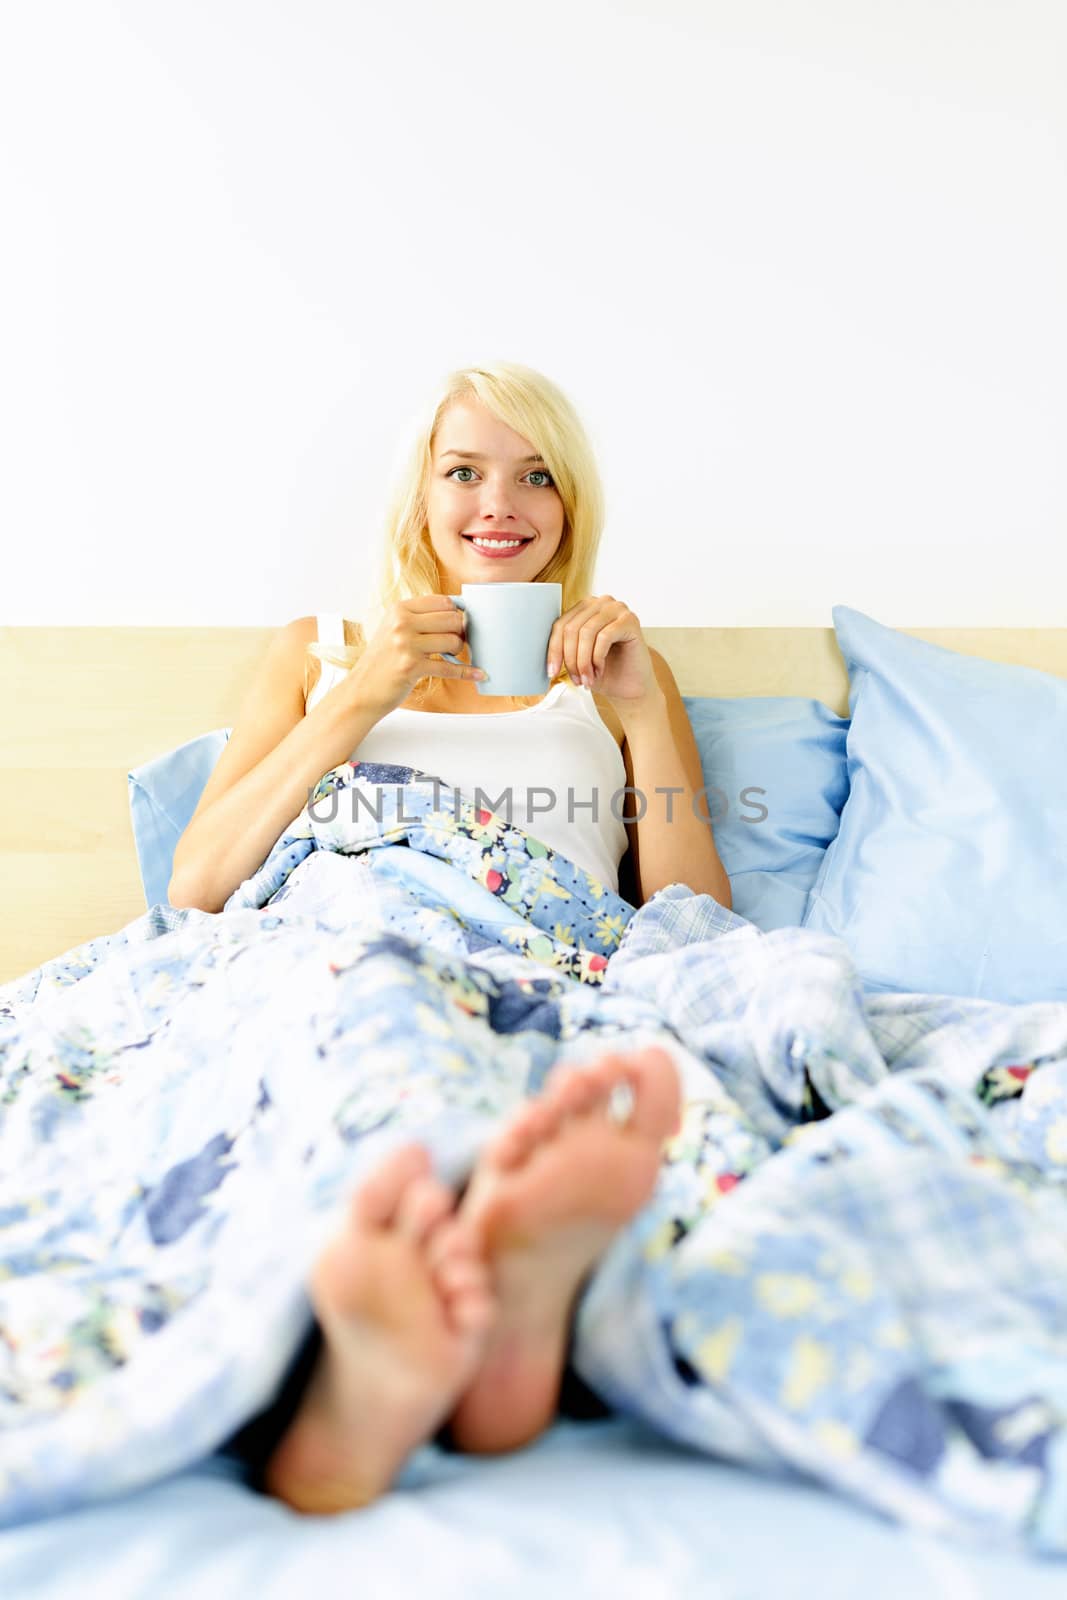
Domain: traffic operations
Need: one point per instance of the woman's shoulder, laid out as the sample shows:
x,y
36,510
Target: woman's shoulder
x,y
306,629
295,636
302,630
290,643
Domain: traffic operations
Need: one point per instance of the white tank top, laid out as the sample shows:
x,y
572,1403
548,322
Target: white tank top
x,y
556,764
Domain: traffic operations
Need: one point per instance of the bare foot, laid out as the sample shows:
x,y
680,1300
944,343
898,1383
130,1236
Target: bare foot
x,y
405,1305
544,1201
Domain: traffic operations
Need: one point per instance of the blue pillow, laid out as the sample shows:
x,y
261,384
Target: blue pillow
x,y
163,796
776,776
949,872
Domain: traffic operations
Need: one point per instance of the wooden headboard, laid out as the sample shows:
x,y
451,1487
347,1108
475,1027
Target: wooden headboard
x,y
84,705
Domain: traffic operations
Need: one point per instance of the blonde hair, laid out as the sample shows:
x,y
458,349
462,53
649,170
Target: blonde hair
x,y
534,407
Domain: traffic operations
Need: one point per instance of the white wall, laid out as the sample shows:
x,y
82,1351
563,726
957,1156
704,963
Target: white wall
x,y
800,264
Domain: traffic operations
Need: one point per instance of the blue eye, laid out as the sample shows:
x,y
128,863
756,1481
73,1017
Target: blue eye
x,y
541,472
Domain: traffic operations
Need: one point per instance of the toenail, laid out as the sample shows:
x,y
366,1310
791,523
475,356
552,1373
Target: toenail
x,y
620,1103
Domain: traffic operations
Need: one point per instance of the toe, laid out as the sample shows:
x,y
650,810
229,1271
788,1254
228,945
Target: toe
x,y
657,1092
574,1091
461,1274
472,1310
452,1240
422,1206
377,1199
593,1084
534,1123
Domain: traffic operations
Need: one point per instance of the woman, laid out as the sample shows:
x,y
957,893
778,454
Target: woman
x,y
432,1310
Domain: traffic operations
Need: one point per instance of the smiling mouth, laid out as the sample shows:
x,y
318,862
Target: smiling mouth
x,y
494,539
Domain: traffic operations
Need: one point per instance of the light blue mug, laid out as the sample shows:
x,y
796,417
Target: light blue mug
x,y
508,628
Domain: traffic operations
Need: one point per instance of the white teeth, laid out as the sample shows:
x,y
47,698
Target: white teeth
x,y
497,544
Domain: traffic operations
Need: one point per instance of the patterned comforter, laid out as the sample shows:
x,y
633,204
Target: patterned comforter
x,y
854,1265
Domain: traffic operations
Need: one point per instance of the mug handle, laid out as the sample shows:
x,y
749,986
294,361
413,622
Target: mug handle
x,y
444,654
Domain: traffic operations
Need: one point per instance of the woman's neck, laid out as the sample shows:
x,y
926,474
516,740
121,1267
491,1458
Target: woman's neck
x,y
453,694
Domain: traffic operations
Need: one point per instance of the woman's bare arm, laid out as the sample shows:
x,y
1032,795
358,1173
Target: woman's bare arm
x,y
274,757
671,843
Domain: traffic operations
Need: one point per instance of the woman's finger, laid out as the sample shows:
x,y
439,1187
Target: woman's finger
x,y
451,668
600,647
594,641
433,621
565,630
556,652
432,643
611,620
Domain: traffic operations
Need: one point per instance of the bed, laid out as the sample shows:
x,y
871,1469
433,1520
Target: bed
x,y
599,1506
95,702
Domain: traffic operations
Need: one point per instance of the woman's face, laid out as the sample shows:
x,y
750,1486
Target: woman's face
x,y
500,496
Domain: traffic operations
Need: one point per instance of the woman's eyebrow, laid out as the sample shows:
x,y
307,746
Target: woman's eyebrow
x,y
476,455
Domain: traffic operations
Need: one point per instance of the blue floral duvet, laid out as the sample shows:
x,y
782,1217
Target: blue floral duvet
x,y
854,1264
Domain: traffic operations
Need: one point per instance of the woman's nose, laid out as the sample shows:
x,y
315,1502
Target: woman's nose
x,y
496,499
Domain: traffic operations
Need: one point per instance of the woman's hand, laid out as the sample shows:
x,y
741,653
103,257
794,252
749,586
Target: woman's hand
x,y
600,643
399,652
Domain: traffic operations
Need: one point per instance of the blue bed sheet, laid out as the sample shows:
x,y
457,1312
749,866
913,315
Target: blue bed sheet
x,y
596,1509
